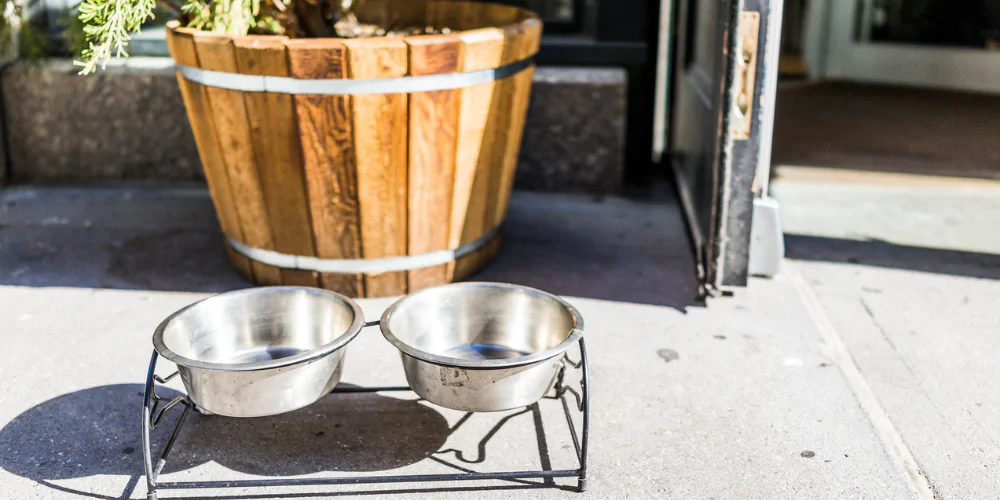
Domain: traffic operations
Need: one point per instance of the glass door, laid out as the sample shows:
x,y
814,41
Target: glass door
x,y
930,43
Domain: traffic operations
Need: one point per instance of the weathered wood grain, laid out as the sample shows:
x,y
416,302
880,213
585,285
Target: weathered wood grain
x,y
482,49
525,44
228,112
433,138
498,126
517,44
326,135
380,145
180,42
272,124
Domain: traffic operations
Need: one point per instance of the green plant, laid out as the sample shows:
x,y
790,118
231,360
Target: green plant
x,y
106,28
17,32
28,35
107,24
99,30
72,31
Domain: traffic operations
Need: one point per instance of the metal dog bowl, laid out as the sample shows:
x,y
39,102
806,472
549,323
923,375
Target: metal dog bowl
x,y
260,351
481,346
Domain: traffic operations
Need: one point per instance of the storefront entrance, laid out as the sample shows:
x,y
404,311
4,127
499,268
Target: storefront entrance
x,y
928,43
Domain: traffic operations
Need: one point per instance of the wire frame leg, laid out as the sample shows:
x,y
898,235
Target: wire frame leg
x,y
581,403
585,389
150,419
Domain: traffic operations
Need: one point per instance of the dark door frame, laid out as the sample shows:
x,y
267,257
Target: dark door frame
x,y
719,217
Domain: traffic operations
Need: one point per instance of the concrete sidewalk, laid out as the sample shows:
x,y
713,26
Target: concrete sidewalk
x,y
743,399
907,271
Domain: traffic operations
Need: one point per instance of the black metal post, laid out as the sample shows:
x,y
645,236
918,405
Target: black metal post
x,y
147,415
585,439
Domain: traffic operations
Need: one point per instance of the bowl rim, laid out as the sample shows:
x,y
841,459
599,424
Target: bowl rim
x,y
303,357
572,337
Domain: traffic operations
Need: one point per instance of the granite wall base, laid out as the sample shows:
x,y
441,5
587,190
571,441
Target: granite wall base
x,y
128,122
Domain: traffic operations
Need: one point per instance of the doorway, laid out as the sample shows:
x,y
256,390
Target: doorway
x,y
938,44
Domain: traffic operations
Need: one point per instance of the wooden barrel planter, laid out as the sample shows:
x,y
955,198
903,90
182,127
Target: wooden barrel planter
x,y
369,166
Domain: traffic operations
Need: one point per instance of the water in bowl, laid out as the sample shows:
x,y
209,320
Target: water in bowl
x,y
484,351
262,353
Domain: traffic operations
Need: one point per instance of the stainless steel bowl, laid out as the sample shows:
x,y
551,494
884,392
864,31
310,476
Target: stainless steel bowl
x,y
260,351
481,346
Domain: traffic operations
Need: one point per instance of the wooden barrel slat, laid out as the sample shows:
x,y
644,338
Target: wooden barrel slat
x,y
482,49
180,42
324,125
500,122
272,123
380,138
216,53
525,44
432,139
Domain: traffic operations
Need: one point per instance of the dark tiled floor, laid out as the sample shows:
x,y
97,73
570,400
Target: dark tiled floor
x,y
893,129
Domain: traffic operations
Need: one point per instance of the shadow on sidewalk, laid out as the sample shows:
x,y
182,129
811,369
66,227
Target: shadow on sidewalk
x,y
155,238
96,432
880,253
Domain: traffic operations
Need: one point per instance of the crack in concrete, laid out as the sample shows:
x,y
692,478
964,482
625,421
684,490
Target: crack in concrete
x,y
919,381
895,446
892,344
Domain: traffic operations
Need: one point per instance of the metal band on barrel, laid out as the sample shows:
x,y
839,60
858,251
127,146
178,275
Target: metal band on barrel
x,y
358,266
403,84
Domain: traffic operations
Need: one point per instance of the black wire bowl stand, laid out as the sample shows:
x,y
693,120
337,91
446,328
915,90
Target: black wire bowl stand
x,y
154,408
